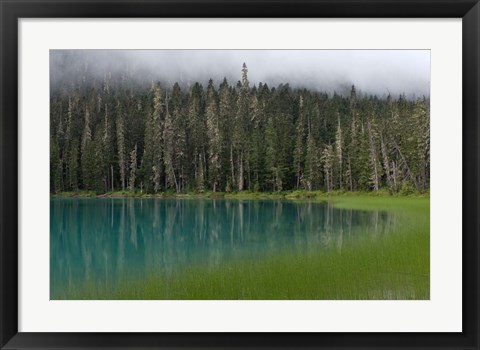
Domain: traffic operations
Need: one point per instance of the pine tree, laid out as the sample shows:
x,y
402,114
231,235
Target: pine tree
x,y
272,157
200,178
107,150
133,168
225,125
87,154
256,147
95,161
156,142
68,128
87,132
285,127
339,153
240,127
387,165
422,135
312,165
72,176
147,162
169,152
180,139
328,157
55,167
353,147
196,136
299,151
65,146
375,172
214,138
120,123
89,167
363,165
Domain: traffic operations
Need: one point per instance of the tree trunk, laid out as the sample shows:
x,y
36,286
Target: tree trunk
x,y
240,175
350,175
232,166
386,163
410,175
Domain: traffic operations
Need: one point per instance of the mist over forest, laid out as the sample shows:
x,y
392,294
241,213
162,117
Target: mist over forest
x,y
233,120
373,72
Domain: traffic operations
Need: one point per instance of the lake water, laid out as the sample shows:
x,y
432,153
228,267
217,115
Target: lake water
x,y
105,240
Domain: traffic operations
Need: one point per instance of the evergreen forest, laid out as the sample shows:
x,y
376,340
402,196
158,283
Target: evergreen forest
x,y
112,134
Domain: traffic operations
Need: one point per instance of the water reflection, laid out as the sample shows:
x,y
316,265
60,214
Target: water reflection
x,y
102,241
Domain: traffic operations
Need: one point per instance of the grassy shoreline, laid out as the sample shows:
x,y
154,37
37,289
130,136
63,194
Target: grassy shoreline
x,y
292,195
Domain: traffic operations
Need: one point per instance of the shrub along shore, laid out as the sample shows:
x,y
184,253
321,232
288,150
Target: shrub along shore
x,y
298,194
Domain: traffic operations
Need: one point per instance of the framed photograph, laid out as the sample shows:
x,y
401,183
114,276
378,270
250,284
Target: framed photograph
x,y
239,174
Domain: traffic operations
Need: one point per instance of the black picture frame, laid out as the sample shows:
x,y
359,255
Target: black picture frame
x,y
11,11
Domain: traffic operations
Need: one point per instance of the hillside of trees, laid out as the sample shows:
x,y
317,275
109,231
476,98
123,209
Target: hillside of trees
x,y
110,134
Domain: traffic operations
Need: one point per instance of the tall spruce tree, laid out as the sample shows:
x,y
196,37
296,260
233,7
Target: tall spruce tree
x,y
133,169
122,164
240,128
214,138
169,151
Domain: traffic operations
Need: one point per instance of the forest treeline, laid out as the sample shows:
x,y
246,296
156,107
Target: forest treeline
x,y
108,134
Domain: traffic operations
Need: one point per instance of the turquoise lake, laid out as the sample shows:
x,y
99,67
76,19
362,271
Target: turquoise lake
x,y
101,241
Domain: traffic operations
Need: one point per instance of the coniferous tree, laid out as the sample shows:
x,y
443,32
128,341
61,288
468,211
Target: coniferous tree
x,y
375,172
299,151
107,150
88,154
237,138
180,139
256,156
87,131
312,165
55,167
240,127
339,154
196,136
387,165
147,163
120,123
272,169
225,125
133,169
421,121
155,151
328,157
169,151
214,138
72,174
352,158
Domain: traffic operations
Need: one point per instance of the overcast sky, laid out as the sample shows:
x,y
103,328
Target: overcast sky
x,y
372,71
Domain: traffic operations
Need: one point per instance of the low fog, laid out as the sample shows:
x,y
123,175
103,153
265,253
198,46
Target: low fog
x,y
376,72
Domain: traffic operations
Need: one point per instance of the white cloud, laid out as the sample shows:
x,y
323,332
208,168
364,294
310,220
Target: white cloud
x,y
372,71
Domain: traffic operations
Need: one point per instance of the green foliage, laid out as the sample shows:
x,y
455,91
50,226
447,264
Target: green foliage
x,y
133,169
234,138
55,168
407,189
72,173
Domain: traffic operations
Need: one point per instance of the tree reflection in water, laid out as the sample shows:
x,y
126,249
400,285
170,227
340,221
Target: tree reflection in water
x,y
103,241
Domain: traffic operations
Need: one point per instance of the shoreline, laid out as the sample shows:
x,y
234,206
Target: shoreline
x,y
291,195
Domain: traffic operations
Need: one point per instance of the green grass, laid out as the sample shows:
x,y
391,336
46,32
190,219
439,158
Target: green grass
x,y
74,194
293,195
171,194
390,266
